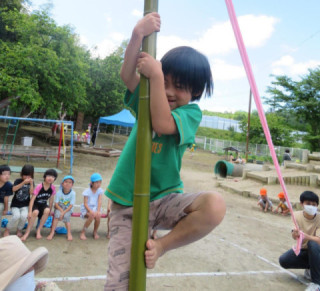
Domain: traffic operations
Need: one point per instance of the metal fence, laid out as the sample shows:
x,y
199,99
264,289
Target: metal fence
x,y
217,146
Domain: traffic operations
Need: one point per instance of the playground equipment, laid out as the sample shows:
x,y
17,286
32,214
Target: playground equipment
x,y
224,169
27,152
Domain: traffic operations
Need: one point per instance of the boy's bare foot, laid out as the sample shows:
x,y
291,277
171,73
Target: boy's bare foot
x,y
83,236
23,238
69,237
50,236
6,232
95,235
19,233
38,236
153,252
108,235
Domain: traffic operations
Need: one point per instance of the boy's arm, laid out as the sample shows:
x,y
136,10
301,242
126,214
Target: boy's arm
x,y
147,25
162,120
57,206
17,187
31,187
99,203
51,200
5,209
85,203
33,197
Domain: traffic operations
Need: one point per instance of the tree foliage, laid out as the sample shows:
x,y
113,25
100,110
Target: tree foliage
x,y
300,99
53,74
281,134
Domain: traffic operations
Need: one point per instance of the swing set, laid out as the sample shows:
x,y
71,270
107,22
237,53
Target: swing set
x,y
9,150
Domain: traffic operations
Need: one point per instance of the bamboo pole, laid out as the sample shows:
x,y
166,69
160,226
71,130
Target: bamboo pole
x,y
137,280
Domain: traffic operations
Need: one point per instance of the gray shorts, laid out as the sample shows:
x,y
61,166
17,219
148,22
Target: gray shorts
x,y
164,213
67,215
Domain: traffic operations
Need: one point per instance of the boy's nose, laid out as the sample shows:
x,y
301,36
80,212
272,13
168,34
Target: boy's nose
x,y
169,91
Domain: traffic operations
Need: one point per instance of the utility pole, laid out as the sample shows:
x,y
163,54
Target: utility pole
x,y
248,130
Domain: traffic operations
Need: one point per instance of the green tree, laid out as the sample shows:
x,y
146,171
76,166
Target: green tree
x,y
106,90
43,64
281,134
302,99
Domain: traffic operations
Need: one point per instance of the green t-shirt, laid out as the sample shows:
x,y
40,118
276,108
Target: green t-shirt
x,y
167,152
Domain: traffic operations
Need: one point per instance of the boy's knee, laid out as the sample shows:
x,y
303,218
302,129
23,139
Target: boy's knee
x,y
214,207
35,213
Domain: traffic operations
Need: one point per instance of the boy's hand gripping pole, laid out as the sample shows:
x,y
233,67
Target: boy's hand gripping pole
x,y
137,278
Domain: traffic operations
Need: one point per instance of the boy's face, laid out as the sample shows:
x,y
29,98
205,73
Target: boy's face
x,y
49,179
67,185
312,203
176,95
5,176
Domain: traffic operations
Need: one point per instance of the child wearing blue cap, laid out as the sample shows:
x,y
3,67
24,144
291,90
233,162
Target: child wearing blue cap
x,y
91,208
64,202
38,206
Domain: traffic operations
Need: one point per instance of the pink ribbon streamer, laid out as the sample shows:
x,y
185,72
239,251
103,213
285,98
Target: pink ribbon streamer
x,y
257,99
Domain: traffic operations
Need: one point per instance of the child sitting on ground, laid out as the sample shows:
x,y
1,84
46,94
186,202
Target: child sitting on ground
x,y
64,202
181,77
264,201
283,205
22,188
91,208
38,206
308,221
5,189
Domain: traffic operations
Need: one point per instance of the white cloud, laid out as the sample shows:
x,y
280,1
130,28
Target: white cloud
x,y
83,39
284,61
220,39
286,65
108,45
224,72
136,13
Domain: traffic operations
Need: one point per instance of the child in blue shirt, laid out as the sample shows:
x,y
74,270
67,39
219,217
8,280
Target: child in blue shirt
x,y
181,77
64,202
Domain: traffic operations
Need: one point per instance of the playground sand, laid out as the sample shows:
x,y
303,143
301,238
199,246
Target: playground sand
x,y
242,253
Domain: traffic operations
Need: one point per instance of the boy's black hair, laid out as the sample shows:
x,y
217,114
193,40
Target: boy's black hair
x,y
4,168
27,170
190,69
309,196
50,172
287,151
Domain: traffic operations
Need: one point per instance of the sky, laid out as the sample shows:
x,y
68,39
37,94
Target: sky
x,y
281,37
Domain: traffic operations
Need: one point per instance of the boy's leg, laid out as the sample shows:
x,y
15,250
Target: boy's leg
x,y
31,221
86,225
43,220
68,227
1,211
66,220
23,220
53,228
119,248
314,261
204,213
12,222
289,260
96,226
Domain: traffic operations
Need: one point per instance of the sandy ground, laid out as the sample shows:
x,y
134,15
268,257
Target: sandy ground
x,y
242,253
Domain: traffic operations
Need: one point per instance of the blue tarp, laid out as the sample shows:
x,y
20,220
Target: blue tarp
x,y
123,118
